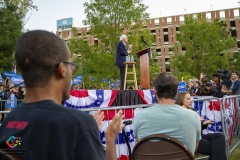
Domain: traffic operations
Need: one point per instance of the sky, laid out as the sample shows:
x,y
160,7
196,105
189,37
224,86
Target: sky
x,y
49,11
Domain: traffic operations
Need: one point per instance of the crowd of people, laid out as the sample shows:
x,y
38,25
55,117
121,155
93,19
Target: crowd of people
x,y
50,131
216,87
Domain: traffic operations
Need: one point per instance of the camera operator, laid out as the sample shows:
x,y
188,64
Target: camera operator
x,y
235,87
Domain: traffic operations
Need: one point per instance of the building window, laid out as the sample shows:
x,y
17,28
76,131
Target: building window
x,y
208,16
153,31
181,18
165,29
183,48
222,14
165,38
169,20
236,12
232,23
238,44
69,33
234,33
96,41
60,34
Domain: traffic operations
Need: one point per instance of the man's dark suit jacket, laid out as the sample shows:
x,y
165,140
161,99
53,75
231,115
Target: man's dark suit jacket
x,y
121,54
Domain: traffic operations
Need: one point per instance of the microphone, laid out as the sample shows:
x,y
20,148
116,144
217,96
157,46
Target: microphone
x,y
145,43
129,122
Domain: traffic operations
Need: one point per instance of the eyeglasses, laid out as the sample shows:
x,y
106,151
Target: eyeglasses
x,y
72,65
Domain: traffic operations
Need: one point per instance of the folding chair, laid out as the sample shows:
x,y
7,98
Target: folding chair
x,y
160,147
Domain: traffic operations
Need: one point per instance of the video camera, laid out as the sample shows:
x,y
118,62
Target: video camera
x,y
225,77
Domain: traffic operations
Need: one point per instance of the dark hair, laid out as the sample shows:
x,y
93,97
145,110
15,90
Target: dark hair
x,y
37,54
166,85
207,77
236,72
215,75
180,98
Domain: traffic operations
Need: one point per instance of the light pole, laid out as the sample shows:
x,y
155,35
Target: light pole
x,y
212,7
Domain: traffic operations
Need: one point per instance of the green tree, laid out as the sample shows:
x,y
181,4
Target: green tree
x,y
234,62
205,43
12,13
107,19
93,62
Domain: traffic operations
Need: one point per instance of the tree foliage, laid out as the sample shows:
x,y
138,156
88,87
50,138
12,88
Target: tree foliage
x,y
234,62
205,43
12,13
107,19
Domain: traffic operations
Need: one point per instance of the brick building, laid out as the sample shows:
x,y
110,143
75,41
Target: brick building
x,y
165,30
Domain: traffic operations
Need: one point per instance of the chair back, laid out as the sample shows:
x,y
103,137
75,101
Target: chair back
x,y
160,147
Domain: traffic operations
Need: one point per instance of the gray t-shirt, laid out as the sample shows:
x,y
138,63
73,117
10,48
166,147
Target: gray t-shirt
x,y
172,120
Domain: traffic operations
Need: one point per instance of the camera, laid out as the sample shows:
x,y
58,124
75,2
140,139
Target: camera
x,y
225,77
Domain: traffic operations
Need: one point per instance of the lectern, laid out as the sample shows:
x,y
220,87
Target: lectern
x,y
144,67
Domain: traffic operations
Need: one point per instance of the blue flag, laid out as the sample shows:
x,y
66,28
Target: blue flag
x,y
182,87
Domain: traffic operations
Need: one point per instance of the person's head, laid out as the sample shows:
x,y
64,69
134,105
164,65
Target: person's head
x,y
197,84
124,38
208,86
206,79
235,75
42,57
165,86
189,84
215,77
184,99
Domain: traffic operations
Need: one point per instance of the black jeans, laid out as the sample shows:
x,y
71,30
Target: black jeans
x,y
213,145
122,75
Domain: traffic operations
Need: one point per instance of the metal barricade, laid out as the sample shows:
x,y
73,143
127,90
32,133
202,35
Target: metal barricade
x,y
231,108
224,111
3,110
210,108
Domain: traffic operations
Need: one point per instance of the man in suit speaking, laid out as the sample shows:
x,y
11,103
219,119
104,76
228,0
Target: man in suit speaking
x,y
121,53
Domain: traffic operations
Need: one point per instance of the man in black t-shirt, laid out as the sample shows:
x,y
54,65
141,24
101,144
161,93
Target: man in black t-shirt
x,y
40,128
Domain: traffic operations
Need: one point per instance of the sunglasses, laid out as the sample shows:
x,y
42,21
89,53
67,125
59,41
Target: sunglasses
x,y
72,65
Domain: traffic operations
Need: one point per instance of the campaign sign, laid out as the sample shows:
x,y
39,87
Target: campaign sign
x,y
112,85
105,80
182,87
1,80
79,76
16,79
8,74
77,81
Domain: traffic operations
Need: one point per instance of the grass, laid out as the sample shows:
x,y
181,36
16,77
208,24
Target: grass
x,y
235,155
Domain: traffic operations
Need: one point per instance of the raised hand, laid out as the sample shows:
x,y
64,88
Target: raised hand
x,y
98,117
